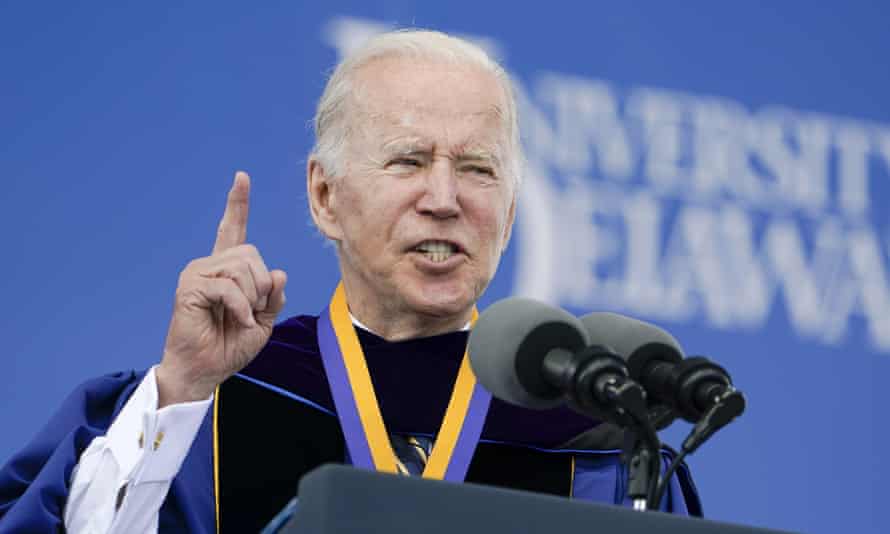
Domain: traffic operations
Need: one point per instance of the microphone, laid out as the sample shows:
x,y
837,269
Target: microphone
x,y
691,387
537,356
696,388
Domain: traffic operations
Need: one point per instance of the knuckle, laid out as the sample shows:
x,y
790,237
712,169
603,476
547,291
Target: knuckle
x,y
228,270
186,277
249,249
198,267
226,285
187,293
264,283
192,266
181,292
225,265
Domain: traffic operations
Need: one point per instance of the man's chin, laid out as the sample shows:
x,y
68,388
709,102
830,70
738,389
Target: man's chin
x,y
441,304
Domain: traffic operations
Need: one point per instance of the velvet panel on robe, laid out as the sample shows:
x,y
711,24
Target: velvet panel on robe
x,y
276,421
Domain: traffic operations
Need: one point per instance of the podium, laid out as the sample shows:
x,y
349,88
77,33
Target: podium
x,y
344,500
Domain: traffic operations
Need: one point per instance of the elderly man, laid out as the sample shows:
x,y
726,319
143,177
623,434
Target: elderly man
x,y
414,179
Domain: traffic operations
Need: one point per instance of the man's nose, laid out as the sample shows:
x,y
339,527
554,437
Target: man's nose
x,y
440,191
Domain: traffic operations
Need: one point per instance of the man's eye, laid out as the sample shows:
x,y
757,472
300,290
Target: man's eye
x,y
476,169
408,162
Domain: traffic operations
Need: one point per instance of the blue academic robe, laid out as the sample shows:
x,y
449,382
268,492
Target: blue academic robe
x,y
276,420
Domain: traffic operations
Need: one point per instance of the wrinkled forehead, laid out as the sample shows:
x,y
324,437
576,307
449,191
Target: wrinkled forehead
x,y
418,102
478,135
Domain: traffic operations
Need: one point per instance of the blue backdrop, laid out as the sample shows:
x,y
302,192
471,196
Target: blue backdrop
x,y
720,170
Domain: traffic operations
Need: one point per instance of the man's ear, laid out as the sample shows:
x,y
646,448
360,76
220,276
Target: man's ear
x,y
320,189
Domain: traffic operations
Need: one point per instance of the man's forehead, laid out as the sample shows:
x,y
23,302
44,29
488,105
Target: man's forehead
x,y
413,129
409,112
405,104
386,86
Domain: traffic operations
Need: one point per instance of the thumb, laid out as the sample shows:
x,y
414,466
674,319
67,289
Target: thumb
x,y
276,298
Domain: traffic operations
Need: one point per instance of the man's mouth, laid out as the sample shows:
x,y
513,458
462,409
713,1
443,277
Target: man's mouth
x,y
437,251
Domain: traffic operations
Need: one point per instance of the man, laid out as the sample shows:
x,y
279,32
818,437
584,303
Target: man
x,y
414,179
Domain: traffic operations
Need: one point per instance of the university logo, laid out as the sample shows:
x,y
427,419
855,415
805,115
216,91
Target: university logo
x,y
684,207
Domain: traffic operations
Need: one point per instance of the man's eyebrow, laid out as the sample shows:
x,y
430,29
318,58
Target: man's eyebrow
x,y
478,154
406,146
420,147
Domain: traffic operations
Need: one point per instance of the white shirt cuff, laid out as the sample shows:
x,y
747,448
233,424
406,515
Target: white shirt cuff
x,y
153,442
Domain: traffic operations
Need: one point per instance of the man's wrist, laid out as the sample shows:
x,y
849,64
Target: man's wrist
x,y
174,389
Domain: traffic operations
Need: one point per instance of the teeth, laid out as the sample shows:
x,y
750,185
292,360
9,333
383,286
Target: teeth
x,y
437,251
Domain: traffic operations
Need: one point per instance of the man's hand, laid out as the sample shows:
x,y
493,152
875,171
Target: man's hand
x,y
226,305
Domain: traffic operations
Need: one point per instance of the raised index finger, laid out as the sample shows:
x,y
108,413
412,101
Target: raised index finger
x,y
232,229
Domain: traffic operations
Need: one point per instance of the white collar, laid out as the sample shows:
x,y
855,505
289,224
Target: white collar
x,y
361,325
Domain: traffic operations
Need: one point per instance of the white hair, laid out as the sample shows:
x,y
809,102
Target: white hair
x,y
332,117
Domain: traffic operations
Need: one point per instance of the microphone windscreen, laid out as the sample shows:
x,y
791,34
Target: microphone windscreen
x,y
640,344
626,336
508,344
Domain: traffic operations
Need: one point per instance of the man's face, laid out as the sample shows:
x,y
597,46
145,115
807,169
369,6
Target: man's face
x,y
424,210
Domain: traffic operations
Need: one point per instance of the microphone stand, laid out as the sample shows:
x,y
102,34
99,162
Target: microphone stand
x,y
637,458
595,383
642,456
642,446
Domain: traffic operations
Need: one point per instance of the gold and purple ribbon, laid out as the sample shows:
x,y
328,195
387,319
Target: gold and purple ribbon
x,y
367,439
